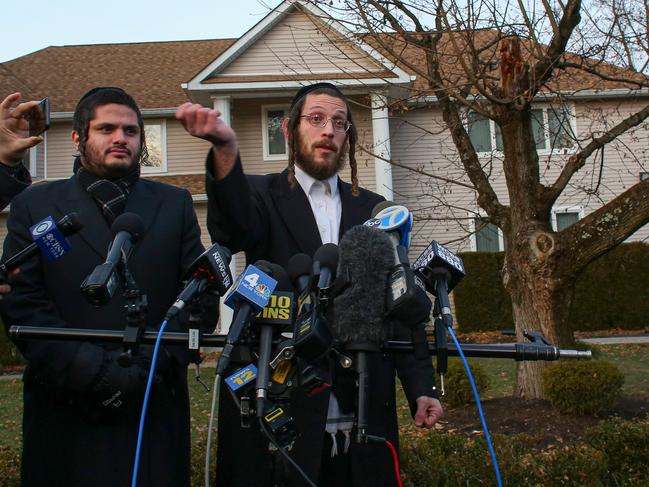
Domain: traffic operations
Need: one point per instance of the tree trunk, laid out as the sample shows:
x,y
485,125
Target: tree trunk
x,y
541,292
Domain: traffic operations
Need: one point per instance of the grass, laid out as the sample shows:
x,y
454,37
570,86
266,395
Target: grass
x,y
11,412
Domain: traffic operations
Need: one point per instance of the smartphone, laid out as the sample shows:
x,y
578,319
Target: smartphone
x,y
38,117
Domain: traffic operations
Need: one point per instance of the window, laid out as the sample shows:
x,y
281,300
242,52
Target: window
x,y
551,126
31,161
156,143
487,236
275,146
562,218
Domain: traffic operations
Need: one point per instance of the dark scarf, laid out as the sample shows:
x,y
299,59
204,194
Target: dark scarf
x,y
109,194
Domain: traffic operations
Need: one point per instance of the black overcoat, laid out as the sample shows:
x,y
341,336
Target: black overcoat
x,y
63,446
268,219
12,184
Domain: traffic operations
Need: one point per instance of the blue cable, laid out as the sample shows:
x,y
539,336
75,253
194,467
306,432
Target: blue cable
x,y
479,404
140,433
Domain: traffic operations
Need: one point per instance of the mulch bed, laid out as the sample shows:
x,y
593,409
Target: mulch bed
x,y
547,427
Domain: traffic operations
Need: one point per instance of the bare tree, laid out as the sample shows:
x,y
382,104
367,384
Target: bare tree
x,y
489,61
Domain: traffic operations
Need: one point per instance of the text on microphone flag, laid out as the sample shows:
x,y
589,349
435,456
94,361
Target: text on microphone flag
x,y
49,238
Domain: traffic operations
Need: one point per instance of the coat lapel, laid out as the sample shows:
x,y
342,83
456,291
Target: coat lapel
x,y
294,208
143,202
95,231
353,212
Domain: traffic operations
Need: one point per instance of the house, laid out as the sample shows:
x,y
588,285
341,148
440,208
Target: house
x,y
251,81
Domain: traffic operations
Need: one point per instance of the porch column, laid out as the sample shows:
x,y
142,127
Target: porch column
x,y
381,146
222,104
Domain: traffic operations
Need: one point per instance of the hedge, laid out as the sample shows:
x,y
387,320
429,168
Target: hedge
x,y
611,454
612,292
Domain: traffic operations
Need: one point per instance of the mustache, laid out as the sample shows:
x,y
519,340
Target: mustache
x,y
326,145
120,147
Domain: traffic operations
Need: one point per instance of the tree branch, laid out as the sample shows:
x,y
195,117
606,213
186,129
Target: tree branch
x,y
606,227
577,161
416,170
543,69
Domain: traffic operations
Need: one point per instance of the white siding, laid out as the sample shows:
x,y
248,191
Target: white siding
x,y
296,45
442,210
60,151
185,154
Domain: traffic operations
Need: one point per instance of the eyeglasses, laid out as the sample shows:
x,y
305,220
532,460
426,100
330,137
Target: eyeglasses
x,y
339,124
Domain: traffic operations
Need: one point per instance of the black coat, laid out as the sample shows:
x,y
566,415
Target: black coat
x,y
65,442
266,218
11,185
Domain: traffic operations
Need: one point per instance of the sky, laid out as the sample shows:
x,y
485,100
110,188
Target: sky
x,y
73,22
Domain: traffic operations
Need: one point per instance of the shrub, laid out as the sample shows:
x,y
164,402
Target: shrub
x,y
625,446
582,388
446,459
457,385
573,466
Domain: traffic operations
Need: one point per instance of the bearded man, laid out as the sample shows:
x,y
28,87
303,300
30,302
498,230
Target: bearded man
x,y
81,406
274,217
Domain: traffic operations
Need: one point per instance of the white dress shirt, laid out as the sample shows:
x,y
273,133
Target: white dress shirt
x,y
324,199
326,206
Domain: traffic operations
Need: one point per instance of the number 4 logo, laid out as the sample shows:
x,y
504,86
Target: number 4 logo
x,y
252,279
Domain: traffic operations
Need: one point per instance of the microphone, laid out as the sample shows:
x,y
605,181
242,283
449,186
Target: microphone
x,y
299,272
312,336
366,258
281,299
47,233
406,300
247,296
441,270
438,260
394,219
99,287
325,261
210,270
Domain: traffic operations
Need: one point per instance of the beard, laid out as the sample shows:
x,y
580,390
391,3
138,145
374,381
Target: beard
x,y
94,161
324,169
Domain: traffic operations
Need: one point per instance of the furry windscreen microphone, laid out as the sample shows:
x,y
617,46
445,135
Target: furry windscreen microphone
x,y
366,258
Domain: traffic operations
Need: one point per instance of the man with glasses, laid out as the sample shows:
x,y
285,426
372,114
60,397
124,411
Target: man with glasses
x,y
273,217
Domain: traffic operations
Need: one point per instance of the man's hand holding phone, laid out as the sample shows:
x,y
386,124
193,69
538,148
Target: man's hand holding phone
x,y
20,127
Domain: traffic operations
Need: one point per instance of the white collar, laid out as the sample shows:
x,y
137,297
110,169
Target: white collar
x,y
306,181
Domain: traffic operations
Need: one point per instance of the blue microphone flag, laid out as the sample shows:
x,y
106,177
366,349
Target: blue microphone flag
x,y
50,239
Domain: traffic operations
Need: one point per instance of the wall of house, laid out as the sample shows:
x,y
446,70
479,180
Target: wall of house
x,y
60,151
443,210
185,154
296,45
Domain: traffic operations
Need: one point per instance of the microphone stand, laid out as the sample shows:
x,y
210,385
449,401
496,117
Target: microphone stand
x,y
136,308
361,351
538,348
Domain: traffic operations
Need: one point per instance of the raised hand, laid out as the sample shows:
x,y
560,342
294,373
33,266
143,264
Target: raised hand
x,y
206,123
14,130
